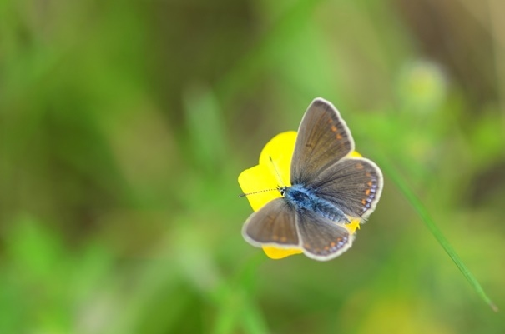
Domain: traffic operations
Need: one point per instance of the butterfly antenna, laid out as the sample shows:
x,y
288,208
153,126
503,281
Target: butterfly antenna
x,y
279,178
256,192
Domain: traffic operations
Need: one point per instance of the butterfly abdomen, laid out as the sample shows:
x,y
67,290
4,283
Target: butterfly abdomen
x,y
303,198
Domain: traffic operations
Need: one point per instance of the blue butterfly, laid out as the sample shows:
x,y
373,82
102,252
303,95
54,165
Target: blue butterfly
x,y
328,188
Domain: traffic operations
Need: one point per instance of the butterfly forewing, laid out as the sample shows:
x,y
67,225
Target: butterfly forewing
x,y
323,139
354,185
272,224
320,238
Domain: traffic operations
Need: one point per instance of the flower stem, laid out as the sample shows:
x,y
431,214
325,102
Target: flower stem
x,y
432,226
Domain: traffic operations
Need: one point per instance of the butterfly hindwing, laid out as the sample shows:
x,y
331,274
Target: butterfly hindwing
x,y
323,139
322,239
273,224
354,185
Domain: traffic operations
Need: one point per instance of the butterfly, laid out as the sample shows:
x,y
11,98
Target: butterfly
x,y
328,190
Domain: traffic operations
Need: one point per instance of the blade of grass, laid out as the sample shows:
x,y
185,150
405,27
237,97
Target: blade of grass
x,y
432,226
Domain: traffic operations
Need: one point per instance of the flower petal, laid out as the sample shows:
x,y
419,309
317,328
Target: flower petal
x,y
277,155
258,178
272,171
279,253
353,226
354,154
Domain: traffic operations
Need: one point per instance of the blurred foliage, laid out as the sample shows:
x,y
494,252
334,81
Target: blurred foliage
x,y
124,126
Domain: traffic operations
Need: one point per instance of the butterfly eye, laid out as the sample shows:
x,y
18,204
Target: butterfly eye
x,y
282,190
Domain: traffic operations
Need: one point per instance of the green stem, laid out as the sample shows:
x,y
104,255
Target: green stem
x,y
430,223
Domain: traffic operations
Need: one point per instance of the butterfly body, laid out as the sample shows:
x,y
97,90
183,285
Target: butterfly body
x,y
303,198
329,189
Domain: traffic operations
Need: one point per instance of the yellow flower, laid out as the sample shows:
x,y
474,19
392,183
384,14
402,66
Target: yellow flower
x,y
273,171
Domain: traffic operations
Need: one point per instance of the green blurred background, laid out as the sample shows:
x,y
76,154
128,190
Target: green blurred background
x,y
125,124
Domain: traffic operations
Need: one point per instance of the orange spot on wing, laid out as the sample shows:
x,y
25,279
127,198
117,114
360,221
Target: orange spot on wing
x,y
333,128
367,192
363,201
339,136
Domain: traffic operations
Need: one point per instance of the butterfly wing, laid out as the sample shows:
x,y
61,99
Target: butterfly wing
x,y
273,224
321,239
323,139
353,185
